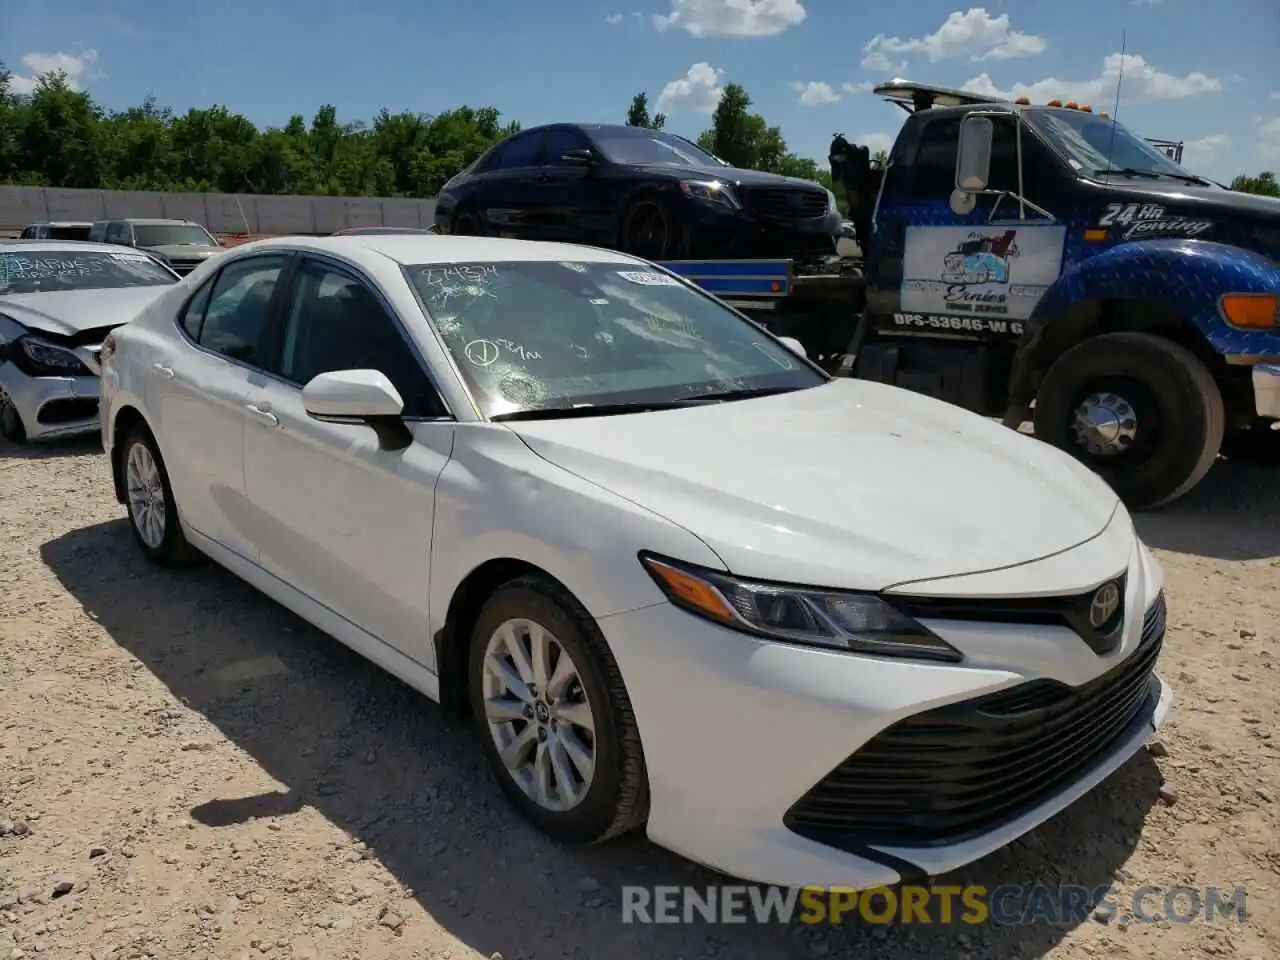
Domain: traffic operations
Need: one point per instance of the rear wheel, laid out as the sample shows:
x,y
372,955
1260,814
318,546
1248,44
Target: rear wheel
x,y
1140,410
153,514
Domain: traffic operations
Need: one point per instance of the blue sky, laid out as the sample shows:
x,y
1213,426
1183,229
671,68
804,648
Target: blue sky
x,y
1203,73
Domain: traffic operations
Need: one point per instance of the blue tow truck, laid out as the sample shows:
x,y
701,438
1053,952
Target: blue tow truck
x,y
1042,262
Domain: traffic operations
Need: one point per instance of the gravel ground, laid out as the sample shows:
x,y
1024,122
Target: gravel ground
x,y
189,771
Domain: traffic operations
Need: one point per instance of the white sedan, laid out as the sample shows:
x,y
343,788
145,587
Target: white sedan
x,y
808,631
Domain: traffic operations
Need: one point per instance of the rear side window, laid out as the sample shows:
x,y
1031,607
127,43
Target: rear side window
x,y
236,313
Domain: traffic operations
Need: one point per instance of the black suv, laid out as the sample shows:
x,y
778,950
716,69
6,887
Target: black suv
x,y
645,192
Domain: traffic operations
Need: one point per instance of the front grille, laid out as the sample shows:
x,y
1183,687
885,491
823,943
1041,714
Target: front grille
x,y
183,267
942,776
784,203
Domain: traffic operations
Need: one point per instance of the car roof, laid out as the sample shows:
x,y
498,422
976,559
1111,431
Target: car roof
x,y
147,221
67,246
409,249
61,223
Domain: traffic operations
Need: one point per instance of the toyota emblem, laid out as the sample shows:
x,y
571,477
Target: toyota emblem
x,y
1105,603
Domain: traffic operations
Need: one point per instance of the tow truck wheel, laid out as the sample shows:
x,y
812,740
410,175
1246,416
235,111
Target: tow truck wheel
x,y
1140,410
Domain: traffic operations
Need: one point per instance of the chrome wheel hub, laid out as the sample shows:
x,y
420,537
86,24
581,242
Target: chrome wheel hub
x,y
538,714
1105,424
146,495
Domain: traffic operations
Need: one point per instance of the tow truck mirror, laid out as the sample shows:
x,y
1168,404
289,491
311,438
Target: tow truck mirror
x,y
973,157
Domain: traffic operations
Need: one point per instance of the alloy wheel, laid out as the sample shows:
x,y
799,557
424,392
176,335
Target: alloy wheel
x,y
145,491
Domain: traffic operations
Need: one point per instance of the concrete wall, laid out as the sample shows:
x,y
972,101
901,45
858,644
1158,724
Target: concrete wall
x,y
219,212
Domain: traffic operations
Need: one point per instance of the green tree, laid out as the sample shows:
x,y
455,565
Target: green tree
x,y
638,113
1264,184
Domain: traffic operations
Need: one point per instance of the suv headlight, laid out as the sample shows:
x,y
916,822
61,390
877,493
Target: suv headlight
x,y
835,619
710,191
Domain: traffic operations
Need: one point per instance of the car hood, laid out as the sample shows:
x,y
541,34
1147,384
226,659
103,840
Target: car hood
x,y
851,484
733,175
68,312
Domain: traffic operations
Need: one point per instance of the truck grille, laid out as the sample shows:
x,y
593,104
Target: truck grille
x,y
183,267
782,203
942,776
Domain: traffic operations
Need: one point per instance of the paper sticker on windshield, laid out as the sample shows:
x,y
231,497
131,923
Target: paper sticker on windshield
x,y
646,278
601,302
575,267
130,257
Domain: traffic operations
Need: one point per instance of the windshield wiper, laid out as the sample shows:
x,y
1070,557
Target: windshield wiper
x,y
641,406
596,410
1157,174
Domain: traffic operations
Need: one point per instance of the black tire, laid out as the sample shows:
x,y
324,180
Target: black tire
x,y
1178,411
1258,444
617,799
648,229
173,550
11,427
466,224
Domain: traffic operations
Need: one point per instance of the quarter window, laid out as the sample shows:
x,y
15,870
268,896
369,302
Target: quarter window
x,y
235,317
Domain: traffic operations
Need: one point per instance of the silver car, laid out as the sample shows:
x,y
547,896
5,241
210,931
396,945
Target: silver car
x,y
58,301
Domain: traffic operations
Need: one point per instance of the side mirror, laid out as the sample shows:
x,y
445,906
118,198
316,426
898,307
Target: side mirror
x,y
581,156
795,346
359,397
973,155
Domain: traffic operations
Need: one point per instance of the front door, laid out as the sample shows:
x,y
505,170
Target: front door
x,y
199,388
974,276
509,197
340,519
566,204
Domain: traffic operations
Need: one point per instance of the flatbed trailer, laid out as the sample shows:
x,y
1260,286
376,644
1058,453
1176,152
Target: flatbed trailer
x,y
820,305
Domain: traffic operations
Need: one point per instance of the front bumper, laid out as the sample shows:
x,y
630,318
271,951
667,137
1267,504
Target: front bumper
x,y
711,233
737,731
1266,391
52,406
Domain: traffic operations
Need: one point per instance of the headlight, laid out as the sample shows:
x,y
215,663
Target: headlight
x,y
839,620
833,205
710,191
38,358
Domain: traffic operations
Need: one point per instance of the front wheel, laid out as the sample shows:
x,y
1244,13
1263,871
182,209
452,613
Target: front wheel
x,y
648,229
1140,410
554,716
11,427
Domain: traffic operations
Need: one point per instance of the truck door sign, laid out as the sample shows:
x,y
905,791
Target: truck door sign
x,y
992,272
1133,221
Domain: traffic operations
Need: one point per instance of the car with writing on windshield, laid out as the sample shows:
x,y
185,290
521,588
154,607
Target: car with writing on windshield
x,y
182,244
567,492
58,301
646,192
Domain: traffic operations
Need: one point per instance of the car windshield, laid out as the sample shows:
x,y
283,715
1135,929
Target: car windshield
x,y
534,336
635,145
176,234
1095,146
60,270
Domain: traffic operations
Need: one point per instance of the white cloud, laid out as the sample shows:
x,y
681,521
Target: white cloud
x,y
699,90
1141,81
973,35
613,18
1268,138
857,87
815,94
1274,95
882,64
732,18
1198,154
77,67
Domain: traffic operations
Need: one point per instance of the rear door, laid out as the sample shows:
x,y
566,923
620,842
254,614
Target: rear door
x,y
199,393
510,198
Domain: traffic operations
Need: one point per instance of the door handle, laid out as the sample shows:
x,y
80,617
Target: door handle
x,y
166,372
263,413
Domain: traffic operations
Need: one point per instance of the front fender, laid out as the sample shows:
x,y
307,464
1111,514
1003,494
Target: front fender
x,y
1185,276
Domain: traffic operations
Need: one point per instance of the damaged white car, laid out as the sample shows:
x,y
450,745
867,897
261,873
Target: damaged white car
x,y
58,301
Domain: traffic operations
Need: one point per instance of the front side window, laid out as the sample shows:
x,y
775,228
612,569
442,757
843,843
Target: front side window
x,y
635,145
548,336
934,171
169,235
235,320
334,322
524,151
56,270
